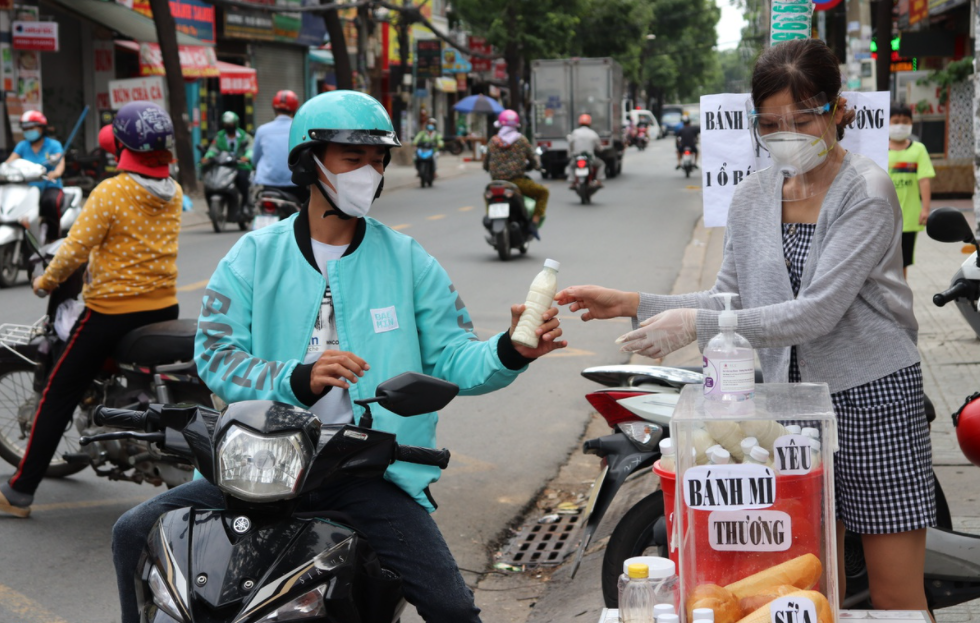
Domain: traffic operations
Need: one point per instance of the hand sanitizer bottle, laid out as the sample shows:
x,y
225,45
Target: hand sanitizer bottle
x,y
539,300
729,362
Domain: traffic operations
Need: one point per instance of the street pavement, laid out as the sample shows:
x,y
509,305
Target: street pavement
x,y
56,566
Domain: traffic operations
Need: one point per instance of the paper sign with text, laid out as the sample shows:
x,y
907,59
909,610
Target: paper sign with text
x,y
750,531
728,156
729,487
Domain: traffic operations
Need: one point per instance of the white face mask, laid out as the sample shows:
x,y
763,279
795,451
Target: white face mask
x,y
355,190
899,132
795,153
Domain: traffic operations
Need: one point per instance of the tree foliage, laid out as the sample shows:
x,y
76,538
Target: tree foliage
x,y
681,62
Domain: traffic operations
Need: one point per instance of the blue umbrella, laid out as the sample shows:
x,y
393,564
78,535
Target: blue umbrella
x,y
479,103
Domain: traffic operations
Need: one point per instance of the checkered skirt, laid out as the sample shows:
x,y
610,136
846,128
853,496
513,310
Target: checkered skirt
x,y
883,470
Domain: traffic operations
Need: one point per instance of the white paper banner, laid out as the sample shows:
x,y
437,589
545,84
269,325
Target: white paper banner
x,y
727,156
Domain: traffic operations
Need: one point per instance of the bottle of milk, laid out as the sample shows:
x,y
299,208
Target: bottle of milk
x,y
539,300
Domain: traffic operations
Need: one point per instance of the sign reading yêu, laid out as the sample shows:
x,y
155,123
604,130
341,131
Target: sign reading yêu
x,y
729,157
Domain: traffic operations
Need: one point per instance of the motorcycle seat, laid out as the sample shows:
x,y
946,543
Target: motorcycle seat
x,y
158,343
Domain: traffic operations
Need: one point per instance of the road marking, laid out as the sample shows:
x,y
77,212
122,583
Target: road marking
x,y
57,506
25,608
435,217
197,285
693,187
400,227
468,208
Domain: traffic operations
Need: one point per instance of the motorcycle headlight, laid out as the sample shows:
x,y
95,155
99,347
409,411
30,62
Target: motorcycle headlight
x,y
261,468
306,606
162,596
644,435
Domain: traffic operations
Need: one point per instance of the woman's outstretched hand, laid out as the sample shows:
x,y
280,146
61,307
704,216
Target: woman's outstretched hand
x,y
599,303
662,334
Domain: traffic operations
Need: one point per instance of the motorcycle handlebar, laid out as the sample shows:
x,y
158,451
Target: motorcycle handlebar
x,y
423,456
121,418
960,288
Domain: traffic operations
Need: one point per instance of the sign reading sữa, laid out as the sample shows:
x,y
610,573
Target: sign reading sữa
x,y
728,155
789,20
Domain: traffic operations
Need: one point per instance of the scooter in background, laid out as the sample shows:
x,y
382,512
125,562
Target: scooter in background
x,y
425,163
274,205
508,218
225,203
949,225
687,162
584,170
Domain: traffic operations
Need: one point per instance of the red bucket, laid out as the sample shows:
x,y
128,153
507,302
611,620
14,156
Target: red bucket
x,y
667,483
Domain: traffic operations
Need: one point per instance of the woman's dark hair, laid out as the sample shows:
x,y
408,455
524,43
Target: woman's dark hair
x,y
897,108
807,67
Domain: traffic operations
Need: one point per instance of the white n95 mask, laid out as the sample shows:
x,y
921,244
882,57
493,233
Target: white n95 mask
x,y
355,190
795,153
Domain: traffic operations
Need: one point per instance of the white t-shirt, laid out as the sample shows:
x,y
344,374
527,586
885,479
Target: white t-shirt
x,y
335,407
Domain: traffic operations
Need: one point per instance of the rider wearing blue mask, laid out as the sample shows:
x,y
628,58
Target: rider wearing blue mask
x,y
325,305
46,151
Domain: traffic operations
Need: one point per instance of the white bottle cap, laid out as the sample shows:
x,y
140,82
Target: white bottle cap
x,y
748,443
667,447
668,618
711,449
793,429
661,568
555,264
760,454
812,433
703,614
720,456
661,609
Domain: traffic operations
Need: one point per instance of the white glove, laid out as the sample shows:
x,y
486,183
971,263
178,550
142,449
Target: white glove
x,y
662,334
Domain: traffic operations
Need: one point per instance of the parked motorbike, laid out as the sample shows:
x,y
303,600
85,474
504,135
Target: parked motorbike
x,y
259,560
508,218
85,171
949,225
425,163
225,203
453,145
152,364
20,213
638,403
584,170
274,205
687,162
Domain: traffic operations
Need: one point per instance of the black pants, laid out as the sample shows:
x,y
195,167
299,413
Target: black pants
x,y
93,339
50,208
242,183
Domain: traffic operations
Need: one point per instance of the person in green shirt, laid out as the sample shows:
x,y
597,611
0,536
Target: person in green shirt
x,y
431,136
911,170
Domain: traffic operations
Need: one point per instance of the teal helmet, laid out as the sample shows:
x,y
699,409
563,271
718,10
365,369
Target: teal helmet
x,y
346,117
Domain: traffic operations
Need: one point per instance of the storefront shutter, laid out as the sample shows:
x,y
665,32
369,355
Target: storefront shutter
x,y
278,67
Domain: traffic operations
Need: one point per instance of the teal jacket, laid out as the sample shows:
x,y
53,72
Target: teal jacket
x,y
395,307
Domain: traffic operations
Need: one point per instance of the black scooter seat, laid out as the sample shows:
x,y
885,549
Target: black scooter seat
x,y
158,343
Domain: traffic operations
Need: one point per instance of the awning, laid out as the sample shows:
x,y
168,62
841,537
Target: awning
x,y
323,57
118,18
236,80
196,61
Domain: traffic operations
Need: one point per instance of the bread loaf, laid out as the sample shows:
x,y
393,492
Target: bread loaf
x,y
824,615
753,603
722,601
801,572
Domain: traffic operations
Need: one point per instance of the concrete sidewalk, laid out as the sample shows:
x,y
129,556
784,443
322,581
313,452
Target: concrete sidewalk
x,y
950,356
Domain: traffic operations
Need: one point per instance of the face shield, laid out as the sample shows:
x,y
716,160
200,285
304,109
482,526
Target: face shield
x,y
795,140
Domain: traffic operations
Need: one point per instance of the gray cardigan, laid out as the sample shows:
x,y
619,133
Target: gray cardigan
x,y
852,322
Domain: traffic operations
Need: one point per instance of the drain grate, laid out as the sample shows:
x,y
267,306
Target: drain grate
x,y
543,543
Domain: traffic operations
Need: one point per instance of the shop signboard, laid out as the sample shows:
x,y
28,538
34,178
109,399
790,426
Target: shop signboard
x,y
239,83
446,85
479,44
453,62
429,58
941,6
193,17
103,52
500,69
39,36
790,19
285,27
918,10
245,24
148,89
195,61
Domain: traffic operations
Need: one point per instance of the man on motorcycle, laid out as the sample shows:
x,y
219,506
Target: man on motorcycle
x,y
429,135
127,233
687,138
237,142
377,305
46,151
508,155
270,151
585,140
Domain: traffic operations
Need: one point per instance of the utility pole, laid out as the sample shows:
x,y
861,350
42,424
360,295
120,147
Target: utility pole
x,y
884,62
176,97
338,46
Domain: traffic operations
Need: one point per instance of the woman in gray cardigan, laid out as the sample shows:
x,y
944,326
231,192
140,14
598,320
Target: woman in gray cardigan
x,y
812,248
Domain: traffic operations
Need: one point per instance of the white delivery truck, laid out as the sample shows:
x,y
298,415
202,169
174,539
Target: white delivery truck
x,y
563,89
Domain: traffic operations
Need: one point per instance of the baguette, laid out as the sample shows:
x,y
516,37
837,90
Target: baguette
x,y
824,615
722,601
801,572
753,603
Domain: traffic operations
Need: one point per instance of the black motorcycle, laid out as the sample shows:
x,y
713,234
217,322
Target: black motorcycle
x,y
425,163
152,364
584,169
508,218
257,560
225,202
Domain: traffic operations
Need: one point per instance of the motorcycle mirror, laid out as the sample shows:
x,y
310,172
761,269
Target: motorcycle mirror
x,y
412,393
949,225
